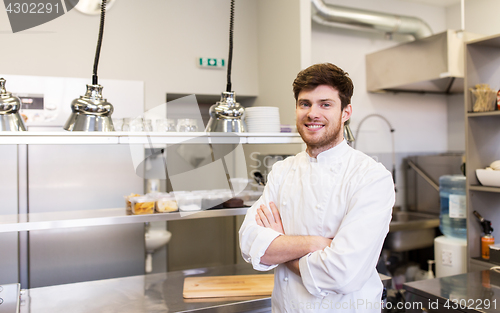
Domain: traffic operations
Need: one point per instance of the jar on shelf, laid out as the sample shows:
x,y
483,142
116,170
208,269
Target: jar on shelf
x,y
126,125
483,98
187,125
148,125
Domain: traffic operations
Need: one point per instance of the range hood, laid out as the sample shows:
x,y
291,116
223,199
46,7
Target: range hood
x,y
434,64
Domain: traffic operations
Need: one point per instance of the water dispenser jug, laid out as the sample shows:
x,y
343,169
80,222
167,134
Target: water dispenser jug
x,y
453,217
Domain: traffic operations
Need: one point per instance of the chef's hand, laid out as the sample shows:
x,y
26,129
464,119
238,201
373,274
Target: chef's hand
x,y
266,219
317,243
293,266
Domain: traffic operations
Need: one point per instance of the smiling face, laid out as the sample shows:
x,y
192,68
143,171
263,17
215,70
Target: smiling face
x,y
320,118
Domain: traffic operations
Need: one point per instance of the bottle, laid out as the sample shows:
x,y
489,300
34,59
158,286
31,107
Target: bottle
x,y
453,217
487,239
430,273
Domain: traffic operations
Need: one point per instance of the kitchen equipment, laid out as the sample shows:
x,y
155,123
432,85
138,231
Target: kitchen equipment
x,y
90,7
263,119
228,286
451,256
227,115
10,298
10,119
259,178
92,112
400,68
348,135
453,217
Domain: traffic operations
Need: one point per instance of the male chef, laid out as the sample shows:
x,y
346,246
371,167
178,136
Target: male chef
x,y
324,212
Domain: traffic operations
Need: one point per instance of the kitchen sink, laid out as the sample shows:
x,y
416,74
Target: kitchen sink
x,y
411,230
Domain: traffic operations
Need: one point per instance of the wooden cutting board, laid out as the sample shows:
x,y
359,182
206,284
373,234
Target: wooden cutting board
x,y
228,286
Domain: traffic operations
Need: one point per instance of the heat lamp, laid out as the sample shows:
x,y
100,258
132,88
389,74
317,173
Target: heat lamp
x,y
91,112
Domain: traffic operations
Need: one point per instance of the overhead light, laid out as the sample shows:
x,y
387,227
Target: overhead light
x,y
227,115
91,7
10,119
91,112
348,135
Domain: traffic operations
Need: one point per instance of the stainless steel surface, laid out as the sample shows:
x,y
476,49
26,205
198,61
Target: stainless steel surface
x,y
338,16
475,289
8,186
22,193
227,115
90,112
433,64
108,138
421,196
423,175
9,298
65,178
101,217
145,293
410,230
10,119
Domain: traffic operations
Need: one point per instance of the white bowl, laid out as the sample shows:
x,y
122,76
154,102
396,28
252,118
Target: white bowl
x,y
488,177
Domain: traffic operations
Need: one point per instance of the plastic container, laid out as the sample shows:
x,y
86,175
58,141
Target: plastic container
x,y
189,202
212,201
143,205
166,203
453,217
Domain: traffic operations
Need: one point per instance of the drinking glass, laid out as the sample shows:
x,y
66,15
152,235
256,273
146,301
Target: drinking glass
x,y
148,126
126,125
187,125
137,125
165,125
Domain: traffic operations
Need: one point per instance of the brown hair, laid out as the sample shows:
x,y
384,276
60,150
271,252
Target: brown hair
x,y
325,74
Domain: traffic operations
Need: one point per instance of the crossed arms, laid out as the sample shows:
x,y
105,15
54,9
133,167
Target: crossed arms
x,y
286,249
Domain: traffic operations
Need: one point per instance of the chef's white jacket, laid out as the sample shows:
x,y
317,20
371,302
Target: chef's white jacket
x,y
342,194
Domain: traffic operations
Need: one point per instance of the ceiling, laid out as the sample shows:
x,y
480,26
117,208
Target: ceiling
x,y
440,3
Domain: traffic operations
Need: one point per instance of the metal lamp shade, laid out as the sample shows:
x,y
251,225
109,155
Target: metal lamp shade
x,y
10,119
348,135
90,112
227,115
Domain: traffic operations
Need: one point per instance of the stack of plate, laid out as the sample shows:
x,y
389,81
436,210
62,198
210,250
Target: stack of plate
x,y
262,119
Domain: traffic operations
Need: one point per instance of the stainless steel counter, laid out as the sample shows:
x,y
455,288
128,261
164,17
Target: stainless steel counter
x,y
145,293
153,293
471,292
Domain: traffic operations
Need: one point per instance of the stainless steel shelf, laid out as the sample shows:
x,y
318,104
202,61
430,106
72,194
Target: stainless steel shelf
x,y
96,138
100,217
484,188
480,114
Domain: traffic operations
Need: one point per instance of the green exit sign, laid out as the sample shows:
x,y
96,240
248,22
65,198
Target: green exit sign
x,y
211,62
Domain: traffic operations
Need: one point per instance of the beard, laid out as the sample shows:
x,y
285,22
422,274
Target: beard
x,y
332,136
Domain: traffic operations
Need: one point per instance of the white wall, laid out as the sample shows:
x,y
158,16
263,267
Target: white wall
x,y
420,121
481,16
155,41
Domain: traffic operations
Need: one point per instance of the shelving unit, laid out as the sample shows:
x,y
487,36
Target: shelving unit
x,y
94,138
482,66
101,217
